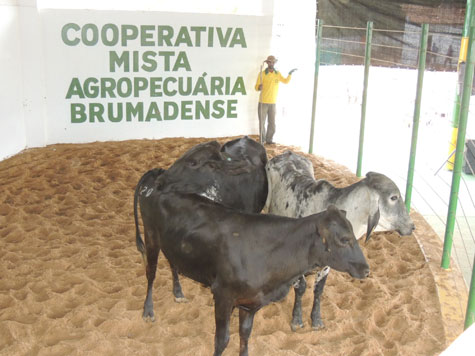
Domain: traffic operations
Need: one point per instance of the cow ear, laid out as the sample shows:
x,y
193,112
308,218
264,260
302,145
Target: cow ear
x,y
159,177
332,207
322,233
198,163
373,220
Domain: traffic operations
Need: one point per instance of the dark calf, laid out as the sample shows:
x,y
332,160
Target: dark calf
x,y
248,260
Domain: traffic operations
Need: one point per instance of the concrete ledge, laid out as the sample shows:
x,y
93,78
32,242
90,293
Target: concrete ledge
x,y
451,288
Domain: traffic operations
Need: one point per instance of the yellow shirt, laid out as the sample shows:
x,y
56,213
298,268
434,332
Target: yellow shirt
x,y
270,85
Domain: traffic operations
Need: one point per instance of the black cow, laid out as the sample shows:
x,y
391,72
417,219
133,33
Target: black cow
x,y
248,260
232,175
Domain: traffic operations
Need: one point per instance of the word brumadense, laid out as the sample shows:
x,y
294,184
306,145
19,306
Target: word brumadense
x,y
146,112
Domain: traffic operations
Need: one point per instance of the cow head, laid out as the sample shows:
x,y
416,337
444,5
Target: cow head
x,y
198,155
245,148
191,173
206,158
341,249
207,171
389,212
150,181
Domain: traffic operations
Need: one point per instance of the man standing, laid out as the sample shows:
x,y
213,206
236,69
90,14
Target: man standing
x,y
268,85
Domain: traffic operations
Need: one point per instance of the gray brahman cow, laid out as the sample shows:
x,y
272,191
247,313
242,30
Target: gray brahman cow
x,y
372,204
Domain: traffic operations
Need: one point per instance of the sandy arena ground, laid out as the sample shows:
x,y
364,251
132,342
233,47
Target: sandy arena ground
x,y
73,283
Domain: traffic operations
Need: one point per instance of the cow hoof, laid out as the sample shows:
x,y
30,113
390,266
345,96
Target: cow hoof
x,y
181,300
148,315
149,318
318,325
294,326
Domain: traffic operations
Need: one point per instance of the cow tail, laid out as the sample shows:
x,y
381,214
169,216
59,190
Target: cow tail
x,y
138,239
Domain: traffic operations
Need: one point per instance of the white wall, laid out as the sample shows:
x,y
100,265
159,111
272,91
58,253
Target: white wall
x,y
37,67
33,75
293,43
243,7
196,60
12,121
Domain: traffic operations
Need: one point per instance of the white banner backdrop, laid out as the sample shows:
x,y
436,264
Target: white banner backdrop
x,y
122,75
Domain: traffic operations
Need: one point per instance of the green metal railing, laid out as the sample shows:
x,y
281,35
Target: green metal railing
x,y
417,114
457,172
315,82
461,109
470,313
367,64
459,151
462,125
469,14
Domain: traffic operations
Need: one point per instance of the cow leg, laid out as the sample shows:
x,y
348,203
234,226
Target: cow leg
x,y
151,269
177,292
299,289
222,313
320,280
246,318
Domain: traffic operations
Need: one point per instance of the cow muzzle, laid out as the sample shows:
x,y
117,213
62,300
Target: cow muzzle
x,y
406,230
359,270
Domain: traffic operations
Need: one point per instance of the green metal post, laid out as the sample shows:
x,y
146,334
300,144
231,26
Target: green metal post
x,y
315,83
367,63
470,314
417,113
459,151
469,17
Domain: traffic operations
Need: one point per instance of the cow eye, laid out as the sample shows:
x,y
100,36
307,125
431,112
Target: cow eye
x,y
394,198
344,240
